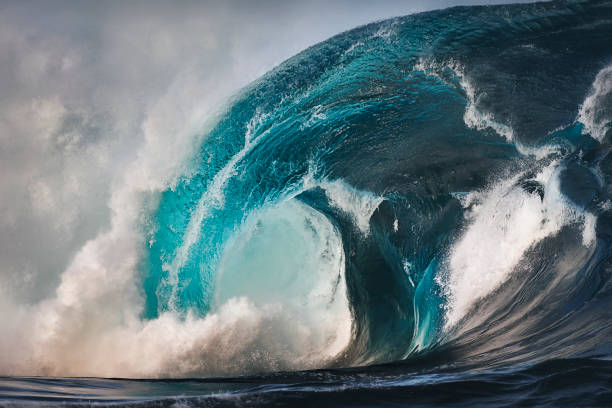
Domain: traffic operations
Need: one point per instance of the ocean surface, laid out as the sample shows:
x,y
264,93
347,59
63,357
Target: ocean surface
x,y
415,212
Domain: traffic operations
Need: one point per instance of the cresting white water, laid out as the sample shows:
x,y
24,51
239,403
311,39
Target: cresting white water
x,y
359,204
505,221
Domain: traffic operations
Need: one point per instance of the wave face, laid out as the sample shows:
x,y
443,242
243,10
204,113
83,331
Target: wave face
x,y
437,180
428,189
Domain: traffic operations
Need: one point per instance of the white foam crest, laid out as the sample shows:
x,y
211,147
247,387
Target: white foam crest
x,y
317,115
98,295
386,31
358,203
428,67
595,112
93,328
96,308
504,223
240,337
408,269
474,117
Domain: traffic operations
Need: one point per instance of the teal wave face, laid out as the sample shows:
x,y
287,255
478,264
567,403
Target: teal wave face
x,y
361,162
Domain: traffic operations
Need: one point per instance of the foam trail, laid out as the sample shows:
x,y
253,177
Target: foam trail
x,y
359,204
474,117
595,112
213,197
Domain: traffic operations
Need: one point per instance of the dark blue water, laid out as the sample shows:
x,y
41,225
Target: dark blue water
x,y
425,200
572,382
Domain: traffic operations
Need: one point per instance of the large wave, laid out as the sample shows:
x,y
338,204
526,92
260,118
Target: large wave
x,y
436,182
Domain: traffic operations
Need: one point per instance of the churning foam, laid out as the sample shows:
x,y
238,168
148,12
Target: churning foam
x,y
92,326
504,223
281,305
